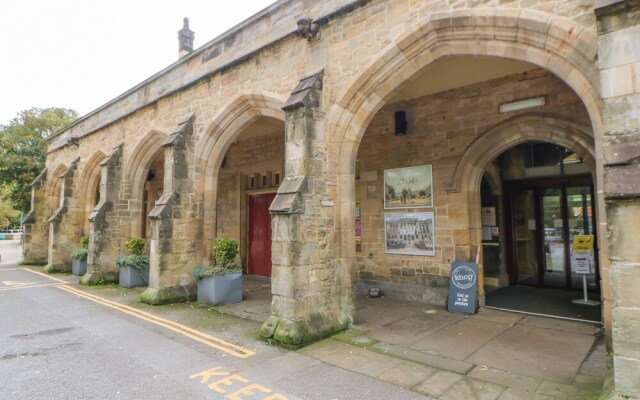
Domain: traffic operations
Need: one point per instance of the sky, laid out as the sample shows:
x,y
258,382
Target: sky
x,y
80,54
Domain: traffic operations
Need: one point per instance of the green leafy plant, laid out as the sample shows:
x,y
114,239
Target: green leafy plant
x,y
135,245
136,260
225,250
82,252
79,254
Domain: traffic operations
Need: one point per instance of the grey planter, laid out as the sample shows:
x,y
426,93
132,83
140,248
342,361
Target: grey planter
x,y
130,277
78,267
220,289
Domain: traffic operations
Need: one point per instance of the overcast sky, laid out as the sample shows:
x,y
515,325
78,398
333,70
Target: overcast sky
x,y
80,54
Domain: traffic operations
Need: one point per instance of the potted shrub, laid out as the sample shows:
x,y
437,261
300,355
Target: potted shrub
x,y
221,282
79,257
134,268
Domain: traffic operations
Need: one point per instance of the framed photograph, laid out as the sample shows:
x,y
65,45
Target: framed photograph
x,y
409,187
409,234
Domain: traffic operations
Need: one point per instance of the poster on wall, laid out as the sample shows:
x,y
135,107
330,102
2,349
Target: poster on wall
x,y
409,234
408,187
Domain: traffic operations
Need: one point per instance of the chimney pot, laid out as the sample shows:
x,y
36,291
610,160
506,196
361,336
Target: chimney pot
x,y
185,39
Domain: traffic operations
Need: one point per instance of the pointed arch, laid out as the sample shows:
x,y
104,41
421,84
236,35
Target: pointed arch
x,y
136,169
559,45
87,188
226,126
54,185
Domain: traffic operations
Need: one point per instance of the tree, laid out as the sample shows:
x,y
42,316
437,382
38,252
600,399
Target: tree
x,y
23,150
7,213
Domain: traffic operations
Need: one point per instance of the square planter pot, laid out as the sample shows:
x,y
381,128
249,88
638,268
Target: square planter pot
x,y
78,267
130,277
220,289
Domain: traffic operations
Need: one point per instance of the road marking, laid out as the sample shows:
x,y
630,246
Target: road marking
x,y
211,341
15,284
45,275
10,269
226,380
29,287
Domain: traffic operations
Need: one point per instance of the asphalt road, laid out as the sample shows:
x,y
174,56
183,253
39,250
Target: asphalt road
x,y
56,343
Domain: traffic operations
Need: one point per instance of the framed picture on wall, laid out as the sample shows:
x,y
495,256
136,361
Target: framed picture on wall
x,y
409,187
409,234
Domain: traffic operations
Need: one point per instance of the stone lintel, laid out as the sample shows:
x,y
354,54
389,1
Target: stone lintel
x,y
178,138
57,214
622,182
113,158
40,179
100,209
68,173
289,200
306,93
613,15
30,218
162,209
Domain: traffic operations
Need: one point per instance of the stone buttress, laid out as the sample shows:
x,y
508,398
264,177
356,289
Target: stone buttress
x,y
35,227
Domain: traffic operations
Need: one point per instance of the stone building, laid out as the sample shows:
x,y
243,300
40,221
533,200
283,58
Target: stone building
x,y
527,111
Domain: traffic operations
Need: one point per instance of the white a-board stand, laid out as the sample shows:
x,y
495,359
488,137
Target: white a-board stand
x,y
582,255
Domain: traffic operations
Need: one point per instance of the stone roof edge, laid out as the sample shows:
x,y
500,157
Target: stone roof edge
x,y
350,6
195,53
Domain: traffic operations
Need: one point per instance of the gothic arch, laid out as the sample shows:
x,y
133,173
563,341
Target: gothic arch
x,y
562,46
54,185
87,187
226,126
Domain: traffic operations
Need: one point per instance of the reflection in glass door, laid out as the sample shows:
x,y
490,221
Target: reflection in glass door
x,y
554,241
545,217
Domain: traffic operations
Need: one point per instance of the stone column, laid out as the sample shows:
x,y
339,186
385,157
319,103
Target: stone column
x,y
175,224
64,230
619,59
312,292
105,230
35,226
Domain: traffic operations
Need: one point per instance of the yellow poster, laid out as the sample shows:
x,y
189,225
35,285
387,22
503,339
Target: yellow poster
x,y
582,242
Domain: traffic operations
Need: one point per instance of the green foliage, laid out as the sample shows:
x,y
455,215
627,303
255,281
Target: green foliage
x,y
7,214
135,245
23,150
136,261
203,271
225,250
79,254
84,242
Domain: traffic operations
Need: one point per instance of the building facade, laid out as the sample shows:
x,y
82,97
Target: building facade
x,y
371,143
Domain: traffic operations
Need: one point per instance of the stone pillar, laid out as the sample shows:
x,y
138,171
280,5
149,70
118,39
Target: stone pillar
x,y
35,226
311,291
64,230
175,224
619,59
105,231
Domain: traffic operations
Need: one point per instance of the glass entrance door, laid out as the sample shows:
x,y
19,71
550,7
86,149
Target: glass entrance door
x,y
545,217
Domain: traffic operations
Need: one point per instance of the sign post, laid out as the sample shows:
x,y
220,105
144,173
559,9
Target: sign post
x,y
583,256
462,287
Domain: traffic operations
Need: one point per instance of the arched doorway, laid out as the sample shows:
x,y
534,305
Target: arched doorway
x,y
549,205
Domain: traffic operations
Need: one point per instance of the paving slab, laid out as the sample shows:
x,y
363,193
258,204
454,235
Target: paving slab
x,y
537,352
568,392
472,389
411,329
384,313
360,360
407,374
505,378
560,325
461,339
438,383
498,316
442,363
518,394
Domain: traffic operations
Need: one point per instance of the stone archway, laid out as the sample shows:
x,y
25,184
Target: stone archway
x,y
228,123
88,188
558,45
136,170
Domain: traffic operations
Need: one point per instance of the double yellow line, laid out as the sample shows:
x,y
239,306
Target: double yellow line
x,y
183,330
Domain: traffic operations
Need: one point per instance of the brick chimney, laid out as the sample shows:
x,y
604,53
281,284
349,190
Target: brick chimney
x,y
185,39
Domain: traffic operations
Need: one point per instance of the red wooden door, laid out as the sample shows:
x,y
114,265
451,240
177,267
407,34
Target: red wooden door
x,y
260,234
